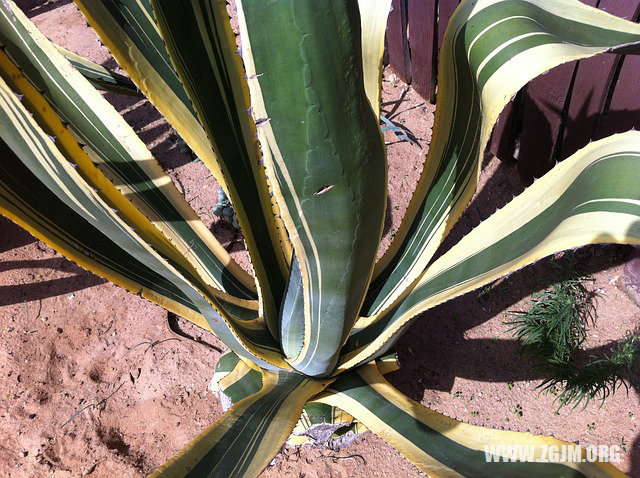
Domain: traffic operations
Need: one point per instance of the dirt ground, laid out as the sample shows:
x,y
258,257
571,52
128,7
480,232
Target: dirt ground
x,y
95,381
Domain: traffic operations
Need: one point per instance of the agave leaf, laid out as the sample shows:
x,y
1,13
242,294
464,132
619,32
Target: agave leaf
x,y
320,413
388,363
237,380
491,49
247,437
590,198
68,107
442,446
240,382
201,44
42,191
225,365
234,381
291,327
327,160
373,18
128,30
99,76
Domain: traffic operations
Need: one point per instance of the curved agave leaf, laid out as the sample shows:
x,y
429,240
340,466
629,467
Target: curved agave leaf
x,y
235,379
128,30
200,41
491,49
225,365
291,327
72,110
592,197
442,446
373,20
100,77
327,158
42,192
388,363
316,412
247,437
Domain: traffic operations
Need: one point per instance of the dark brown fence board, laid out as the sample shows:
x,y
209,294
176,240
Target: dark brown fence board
x,y
592,85
397,42
627,9
593,79
545,99
445,10
543,105
624,111
422,24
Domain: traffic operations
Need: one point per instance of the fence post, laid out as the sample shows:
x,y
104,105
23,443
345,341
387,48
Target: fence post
x,y
624,111
397,41
545,103
422,18
445,11
542,116
504,132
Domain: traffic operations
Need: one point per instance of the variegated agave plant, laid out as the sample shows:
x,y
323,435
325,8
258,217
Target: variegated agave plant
x,y
304,166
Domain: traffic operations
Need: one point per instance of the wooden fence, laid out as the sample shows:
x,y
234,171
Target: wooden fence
x,y
554,115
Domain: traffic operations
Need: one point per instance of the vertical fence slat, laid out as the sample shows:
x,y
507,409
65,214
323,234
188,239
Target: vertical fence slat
x,y
422,24
543,105
397,42
624,110
592,84
543,113
445,10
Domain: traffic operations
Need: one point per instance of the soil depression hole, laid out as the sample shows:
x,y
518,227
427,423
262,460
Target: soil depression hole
x,y
114,440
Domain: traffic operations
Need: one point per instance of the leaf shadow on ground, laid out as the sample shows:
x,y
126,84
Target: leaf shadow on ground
x,y
13,237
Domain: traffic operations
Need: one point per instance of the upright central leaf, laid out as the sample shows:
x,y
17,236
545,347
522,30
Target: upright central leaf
x,y
304,64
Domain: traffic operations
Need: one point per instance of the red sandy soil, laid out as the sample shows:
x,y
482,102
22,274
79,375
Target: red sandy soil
x,y
94,381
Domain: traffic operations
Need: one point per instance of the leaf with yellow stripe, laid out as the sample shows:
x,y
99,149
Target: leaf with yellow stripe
x,y
491,49
334,423
444,447
247,437
234,381
373,18
225,365
326,165
100,77
592,197
203,49
127,28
